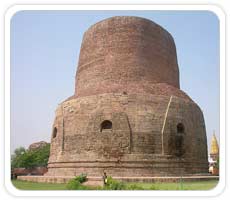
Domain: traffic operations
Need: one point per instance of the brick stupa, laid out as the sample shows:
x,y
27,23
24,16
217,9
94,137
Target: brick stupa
x,y
128,116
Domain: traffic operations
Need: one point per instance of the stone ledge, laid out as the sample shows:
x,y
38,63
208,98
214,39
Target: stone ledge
x,y
99,181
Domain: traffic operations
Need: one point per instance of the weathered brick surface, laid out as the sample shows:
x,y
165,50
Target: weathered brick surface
x,y
125,54
37,145
128,75
135,139
33,171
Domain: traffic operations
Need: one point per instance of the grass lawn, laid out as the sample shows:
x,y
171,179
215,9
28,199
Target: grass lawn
x,y
195,185
26,185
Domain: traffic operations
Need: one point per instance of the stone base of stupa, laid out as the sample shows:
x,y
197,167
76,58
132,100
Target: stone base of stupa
x,y
98,181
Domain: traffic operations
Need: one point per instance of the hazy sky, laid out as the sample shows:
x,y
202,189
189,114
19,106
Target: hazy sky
x,y
45,47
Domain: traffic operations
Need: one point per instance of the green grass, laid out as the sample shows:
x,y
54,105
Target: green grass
x,y
26,185
195,185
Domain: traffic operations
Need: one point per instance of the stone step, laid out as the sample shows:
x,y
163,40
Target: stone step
x,y
98,181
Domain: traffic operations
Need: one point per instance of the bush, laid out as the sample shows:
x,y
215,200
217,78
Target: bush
x,y
81,178
113,184
73,184
76,183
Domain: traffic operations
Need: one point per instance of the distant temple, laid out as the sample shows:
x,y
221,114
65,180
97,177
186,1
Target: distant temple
x,y
214,155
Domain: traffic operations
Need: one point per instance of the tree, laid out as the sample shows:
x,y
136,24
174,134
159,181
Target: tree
x,y
19,151
30,158
41,155
16,156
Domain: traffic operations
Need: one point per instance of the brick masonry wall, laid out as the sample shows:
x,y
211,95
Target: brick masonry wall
x,y
135,140
125,54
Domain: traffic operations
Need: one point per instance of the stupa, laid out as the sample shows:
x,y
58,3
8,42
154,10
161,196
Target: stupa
x,y
128,116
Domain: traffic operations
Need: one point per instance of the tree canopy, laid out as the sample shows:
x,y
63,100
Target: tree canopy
x,y
23,158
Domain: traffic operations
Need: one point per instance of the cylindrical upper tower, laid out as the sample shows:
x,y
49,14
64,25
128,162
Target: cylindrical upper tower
x,y
126,54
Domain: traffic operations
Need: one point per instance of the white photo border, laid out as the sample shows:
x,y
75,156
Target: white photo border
x,y
212,8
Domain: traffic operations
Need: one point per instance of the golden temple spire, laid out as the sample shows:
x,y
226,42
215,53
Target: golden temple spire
x,y
214,145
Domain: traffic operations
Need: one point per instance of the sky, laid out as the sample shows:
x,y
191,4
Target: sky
x,y
45,47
